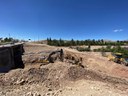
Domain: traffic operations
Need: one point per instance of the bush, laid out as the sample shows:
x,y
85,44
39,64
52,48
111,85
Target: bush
x,y
118,49
81,49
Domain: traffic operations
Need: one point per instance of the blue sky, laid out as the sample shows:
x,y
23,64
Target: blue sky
x,y
66,19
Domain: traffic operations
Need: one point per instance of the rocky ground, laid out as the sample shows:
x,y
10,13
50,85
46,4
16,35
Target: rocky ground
x,y
98,77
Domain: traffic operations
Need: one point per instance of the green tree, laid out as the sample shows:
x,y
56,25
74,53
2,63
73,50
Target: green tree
x,y
73,43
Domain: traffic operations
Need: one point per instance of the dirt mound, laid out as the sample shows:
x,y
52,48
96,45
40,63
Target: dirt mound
x,y
75,73
55,76
19,76
37,75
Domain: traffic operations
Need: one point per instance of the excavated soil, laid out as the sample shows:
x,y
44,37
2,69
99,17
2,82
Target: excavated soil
x,y
98,77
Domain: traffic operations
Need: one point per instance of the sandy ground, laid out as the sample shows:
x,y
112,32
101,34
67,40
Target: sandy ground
x,y
99,77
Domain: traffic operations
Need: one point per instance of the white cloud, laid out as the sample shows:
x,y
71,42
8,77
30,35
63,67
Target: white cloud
x,y
118,30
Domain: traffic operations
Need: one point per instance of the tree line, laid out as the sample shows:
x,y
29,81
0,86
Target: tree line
x,y
8,40
72,42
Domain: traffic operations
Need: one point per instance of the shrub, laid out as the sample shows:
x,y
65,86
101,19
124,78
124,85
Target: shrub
x,y
81,49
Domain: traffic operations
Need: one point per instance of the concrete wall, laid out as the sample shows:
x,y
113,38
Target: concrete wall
x,y
11,57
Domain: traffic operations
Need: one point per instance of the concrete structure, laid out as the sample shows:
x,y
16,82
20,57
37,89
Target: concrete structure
x,y
11,57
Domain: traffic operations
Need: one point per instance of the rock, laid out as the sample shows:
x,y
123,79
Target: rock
x,y
60,90
33,94
29,94
49,89
48,93
21,82
36,94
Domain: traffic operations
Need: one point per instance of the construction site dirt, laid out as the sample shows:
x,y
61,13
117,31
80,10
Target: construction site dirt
x,y
78,74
